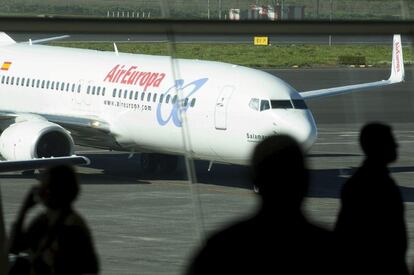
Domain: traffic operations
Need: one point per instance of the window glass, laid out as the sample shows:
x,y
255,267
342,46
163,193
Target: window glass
x,y
142,96
254,104
103,91
93,90
161,98
131,94
281,104
79,88
17,81
47,84
62,86
299,104
73,87
38,83
136,96
43,84
88,90
2,79
264,105
23,81
149,97
114,93
12,80
193,101
125,93
167,99
154,98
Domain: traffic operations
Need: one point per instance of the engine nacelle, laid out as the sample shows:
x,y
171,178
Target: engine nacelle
x,y
35,139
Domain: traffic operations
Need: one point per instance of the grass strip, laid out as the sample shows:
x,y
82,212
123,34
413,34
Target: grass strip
x,y
274,56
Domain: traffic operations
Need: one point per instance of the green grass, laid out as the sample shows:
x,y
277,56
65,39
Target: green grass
x,y
274,56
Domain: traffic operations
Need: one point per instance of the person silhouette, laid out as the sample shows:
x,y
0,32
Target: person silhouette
x,y
58,240
278,238
371,227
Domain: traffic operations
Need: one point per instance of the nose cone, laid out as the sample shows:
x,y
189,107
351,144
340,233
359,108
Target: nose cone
x,y
299,124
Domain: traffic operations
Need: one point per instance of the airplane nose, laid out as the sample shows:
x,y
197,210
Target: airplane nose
x,y
299,124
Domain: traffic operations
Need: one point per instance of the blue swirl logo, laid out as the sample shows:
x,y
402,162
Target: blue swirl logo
x,y
168,112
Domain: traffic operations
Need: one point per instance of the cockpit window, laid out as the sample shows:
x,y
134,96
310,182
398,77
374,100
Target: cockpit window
x,y
264,105
254,104
281,104
299,104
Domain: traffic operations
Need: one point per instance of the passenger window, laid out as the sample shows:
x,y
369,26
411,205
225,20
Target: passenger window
x,y
142,96
17,81
103,91
2,79
79,88
167,100
114,93
98,90
52,85
67,87
193,101
12,80
93,90
119,93
7,79
264,105
62,86
47,84
161,98
88,90
22,83
73,87
185,102
131,94
38,83
174,100
43,84
149,97
136,95
155,98
125,93
254,104
28,82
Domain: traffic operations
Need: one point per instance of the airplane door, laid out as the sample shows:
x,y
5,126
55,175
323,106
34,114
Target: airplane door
x,y
220,116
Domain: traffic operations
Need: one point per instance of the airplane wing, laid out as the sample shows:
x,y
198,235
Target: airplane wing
x,y
84,130
22,165
397,76
87,131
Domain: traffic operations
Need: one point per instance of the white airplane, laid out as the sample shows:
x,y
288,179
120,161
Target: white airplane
x,y
55,97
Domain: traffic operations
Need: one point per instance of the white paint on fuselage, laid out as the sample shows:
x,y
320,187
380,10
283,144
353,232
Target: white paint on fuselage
x,y
139,129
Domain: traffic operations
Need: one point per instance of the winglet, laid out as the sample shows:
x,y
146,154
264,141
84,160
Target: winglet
x,y
397,66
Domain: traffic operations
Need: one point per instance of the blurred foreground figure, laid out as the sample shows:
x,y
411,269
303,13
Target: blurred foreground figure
x,y
58,240
371,225
278,239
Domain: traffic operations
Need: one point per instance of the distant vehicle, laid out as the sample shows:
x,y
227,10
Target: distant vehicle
x,y
55,97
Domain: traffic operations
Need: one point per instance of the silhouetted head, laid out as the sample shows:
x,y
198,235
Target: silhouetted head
x,y
279,171
59,187
378,143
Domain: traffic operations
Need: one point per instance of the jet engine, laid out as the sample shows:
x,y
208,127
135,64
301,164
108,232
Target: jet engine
x,y
35,139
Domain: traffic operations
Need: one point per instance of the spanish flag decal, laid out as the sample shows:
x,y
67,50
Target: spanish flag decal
x,y
6,65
